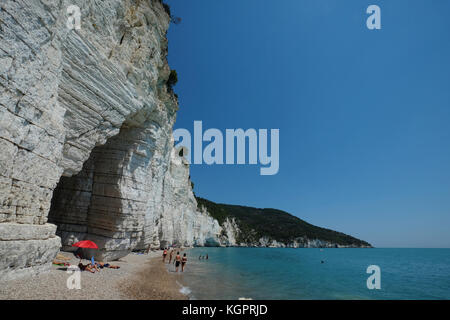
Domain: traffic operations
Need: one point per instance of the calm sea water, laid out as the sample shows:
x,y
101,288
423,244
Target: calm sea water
x,y
269,273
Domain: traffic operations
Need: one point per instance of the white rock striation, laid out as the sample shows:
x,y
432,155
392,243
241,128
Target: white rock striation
x,y
86,124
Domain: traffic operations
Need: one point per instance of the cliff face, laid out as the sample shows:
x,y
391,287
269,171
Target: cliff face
x,y
230,232
232,236
255,227
180,222
86,134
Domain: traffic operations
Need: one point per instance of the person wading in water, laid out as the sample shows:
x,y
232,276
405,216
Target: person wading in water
x,y
183,262
170,256
177,261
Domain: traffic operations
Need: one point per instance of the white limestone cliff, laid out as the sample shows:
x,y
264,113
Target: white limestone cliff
x,y
86,123
230,232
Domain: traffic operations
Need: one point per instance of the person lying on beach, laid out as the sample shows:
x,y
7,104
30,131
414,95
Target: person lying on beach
x,y
95,266
86,267
91,267
59,263
60,256
107,265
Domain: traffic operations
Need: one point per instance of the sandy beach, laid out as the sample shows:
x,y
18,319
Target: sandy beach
x,y
141,277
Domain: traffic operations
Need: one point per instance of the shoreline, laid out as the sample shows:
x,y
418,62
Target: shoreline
x,y
140,277
154,282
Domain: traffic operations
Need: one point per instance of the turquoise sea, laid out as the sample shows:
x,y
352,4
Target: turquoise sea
x,y
272,273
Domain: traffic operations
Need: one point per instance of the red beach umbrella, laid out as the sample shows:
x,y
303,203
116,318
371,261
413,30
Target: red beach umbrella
x,y
85,244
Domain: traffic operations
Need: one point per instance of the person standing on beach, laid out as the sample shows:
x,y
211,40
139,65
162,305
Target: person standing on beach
x,y
183,262
164,255
177,261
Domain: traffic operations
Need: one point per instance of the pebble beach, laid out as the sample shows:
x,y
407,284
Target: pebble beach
x,y
140,277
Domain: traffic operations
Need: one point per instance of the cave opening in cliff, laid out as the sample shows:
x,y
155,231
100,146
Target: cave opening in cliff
x,y
70,204
105,201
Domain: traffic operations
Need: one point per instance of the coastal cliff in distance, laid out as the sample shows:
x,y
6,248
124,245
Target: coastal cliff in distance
x,y
254,227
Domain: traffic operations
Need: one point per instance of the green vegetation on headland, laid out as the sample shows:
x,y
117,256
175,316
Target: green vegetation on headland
x,y
255,223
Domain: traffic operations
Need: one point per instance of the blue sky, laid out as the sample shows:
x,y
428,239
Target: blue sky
x,y
364,115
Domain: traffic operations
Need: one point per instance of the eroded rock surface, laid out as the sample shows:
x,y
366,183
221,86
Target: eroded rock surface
x,y
86,134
